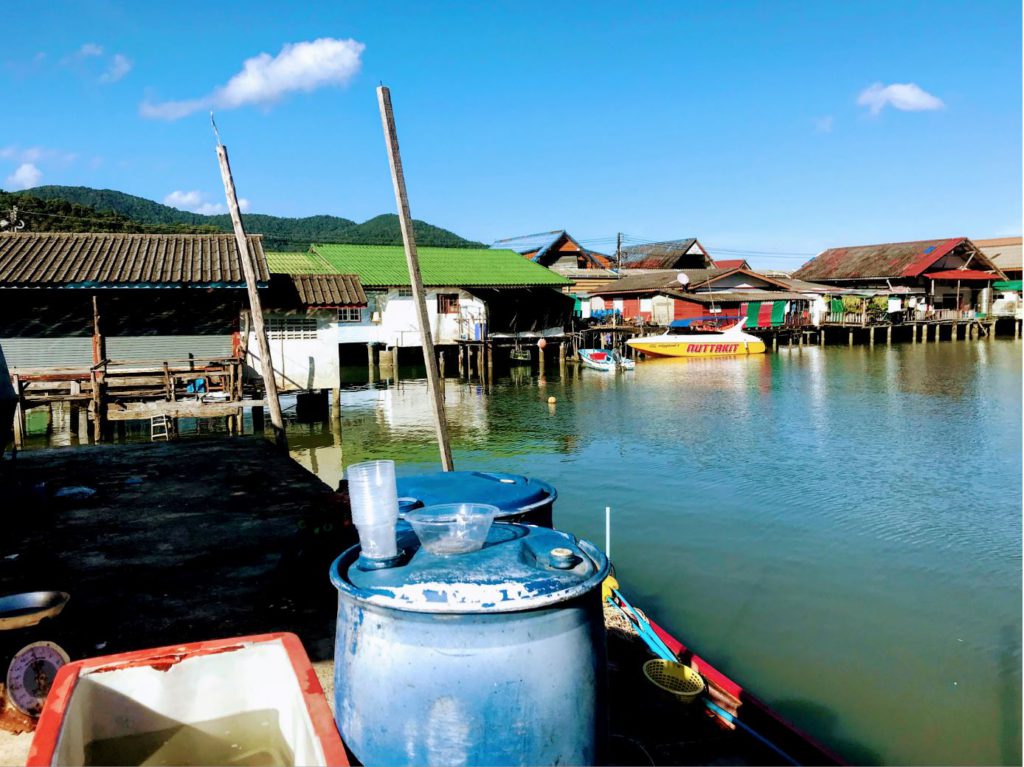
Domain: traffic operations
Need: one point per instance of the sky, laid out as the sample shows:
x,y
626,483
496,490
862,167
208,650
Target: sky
x,y
766,130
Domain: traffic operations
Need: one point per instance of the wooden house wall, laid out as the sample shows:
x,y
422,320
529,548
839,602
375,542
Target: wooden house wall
x,y
54,328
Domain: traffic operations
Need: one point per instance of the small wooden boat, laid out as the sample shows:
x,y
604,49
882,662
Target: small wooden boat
x,y
607,360
726,724
700,337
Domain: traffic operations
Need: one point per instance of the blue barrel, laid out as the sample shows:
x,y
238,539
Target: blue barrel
x,y
493,657
521,499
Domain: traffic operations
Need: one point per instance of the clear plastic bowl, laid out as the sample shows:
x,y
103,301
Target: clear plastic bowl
x,y
452,528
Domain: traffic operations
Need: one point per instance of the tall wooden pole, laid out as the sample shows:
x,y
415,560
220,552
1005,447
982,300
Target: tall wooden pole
x,y
387,117
249,269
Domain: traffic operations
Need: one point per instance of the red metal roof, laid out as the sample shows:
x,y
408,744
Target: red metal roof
x,y
892,260
732,263
962,274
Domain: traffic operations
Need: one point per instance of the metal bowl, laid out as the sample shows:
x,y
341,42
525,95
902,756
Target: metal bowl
x,y
22,610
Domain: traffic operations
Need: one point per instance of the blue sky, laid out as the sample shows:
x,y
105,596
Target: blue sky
x,y
757,127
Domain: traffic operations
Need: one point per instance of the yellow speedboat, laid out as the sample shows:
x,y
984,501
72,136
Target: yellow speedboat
x,y
700,337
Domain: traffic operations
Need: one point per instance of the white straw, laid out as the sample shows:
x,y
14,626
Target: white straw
x,y
608,531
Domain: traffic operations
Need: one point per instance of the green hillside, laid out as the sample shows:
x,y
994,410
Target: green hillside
x,y
278,232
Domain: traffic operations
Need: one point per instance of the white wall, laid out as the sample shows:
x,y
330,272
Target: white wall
x,y
312,363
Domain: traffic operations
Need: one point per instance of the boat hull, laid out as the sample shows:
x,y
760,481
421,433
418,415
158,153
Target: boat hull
x,y
692,347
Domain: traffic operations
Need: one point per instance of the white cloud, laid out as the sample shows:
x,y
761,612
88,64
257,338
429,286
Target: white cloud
x,y
90,49
908,97
183,200
194,201
34,154
265,79
25,176
120,65
824,124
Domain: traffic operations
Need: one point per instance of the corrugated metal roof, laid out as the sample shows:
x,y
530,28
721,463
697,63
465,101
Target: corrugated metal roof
x,y
385,266
888,260
659,279
329,290
659,255
739,296
732,263
1004,252
63,259
528,243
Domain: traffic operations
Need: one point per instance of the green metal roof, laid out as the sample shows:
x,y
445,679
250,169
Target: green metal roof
x,y
384,266
1008,285
298,263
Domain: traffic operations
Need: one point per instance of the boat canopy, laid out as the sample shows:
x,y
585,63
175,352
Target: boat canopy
x,y
690,320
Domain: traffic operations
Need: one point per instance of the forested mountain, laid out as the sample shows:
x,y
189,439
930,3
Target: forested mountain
x,y
123,211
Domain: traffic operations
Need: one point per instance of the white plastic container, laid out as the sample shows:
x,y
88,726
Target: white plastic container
x,y
452,528
246,701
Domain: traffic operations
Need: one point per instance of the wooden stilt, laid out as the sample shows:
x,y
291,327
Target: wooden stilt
x,y
821,335
871,338
387,117
255,307
937,329
19,414
849,339
888,336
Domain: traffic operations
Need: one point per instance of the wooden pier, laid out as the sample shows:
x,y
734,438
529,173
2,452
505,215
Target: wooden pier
x,y
113,391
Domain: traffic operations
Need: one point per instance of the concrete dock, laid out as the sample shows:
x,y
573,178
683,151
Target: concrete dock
x,y
177,542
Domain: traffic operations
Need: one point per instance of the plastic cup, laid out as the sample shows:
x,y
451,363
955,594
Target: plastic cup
x,y
374,497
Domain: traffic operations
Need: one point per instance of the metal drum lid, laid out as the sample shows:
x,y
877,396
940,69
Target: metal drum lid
x,y
520,567
509,492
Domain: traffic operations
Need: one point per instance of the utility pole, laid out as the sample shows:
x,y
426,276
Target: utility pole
x,y
387,117
618,252
249,269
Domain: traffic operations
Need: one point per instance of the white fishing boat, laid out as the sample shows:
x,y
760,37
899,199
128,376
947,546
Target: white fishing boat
x,y
607,360
700,337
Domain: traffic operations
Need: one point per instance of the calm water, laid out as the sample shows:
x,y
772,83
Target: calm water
x,y
837,529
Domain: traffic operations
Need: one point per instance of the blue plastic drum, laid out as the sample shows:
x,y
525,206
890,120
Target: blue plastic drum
x,y
521,499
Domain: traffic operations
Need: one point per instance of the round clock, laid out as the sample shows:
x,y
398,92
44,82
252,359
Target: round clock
x,y
30,674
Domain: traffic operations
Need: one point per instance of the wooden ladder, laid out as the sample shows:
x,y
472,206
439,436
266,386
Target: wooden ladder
x,y
160,428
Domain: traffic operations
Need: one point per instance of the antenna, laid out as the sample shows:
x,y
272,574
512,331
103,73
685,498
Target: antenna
x,y
683,279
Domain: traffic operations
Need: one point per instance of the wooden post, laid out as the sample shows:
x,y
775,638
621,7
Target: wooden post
x,y
251,277
821,335
336,403
19,413
387,117
775,342
440,365
462,365
561,358
99,343
850,338
97,409
871,338
75,390
938,327
888,336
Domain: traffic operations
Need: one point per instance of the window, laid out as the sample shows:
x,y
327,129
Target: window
x,y
350,314
291,328
447,303
405,292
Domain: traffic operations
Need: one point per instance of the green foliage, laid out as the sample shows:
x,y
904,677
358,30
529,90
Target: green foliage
x,y
278,233
58,215
853,303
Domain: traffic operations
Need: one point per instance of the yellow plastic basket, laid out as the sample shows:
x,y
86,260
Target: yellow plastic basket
x,y
675,678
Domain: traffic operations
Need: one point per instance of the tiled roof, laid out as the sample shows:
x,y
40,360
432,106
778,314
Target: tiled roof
x,y
61,259
297,263
385,266
888,260
329,290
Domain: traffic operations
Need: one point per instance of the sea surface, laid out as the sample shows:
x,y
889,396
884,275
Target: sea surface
x,y
838,529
